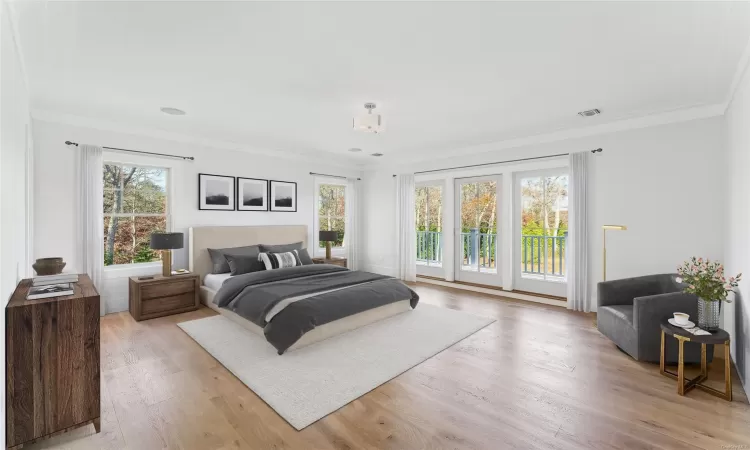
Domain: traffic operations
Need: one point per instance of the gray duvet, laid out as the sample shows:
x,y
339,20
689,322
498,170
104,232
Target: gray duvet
x,y
320,294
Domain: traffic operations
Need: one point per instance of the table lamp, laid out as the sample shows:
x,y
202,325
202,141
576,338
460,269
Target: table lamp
x,y
166,242
604,242
328,237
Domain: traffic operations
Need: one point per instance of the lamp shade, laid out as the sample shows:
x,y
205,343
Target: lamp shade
x,y
167,241
327,236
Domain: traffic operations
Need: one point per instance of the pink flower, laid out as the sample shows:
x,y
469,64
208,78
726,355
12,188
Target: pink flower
x,y
691,286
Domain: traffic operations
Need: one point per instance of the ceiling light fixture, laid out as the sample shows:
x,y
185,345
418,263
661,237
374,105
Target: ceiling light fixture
x,y
377,154
355,150
589,113
369,123
172,111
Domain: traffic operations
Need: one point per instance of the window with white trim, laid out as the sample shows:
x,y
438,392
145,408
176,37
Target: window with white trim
x,y
136,204
330,213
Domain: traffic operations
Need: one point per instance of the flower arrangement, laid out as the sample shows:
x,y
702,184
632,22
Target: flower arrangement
x,y
706,279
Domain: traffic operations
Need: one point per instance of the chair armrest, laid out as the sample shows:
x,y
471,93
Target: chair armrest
x,y
622,292
650,310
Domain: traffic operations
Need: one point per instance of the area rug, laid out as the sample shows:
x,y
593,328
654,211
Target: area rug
x,y
307,384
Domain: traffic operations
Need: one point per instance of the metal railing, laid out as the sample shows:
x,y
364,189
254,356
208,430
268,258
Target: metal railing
x,y
430,247
543,255
479,249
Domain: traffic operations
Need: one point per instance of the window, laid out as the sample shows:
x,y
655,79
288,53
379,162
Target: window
x,y
331,211
135,205
428,215
544,225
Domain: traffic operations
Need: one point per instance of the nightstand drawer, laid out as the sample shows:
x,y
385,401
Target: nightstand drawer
x,y
172,288
162,304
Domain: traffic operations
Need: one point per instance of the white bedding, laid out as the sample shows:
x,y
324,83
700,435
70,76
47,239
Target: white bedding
x,y
214,281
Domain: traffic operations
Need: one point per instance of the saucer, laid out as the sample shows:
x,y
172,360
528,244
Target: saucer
x,y
687,325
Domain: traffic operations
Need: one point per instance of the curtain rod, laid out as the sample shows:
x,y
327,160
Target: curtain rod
x,y
330,176
598,150
190,158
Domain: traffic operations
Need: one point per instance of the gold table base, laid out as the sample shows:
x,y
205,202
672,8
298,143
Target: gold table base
x,y
697,382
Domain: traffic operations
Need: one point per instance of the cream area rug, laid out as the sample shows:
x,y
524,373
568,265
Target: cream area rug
x,y
307,384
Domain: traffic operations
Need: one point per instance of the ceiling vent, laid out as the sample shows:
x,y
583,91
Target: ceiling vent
x,y
589,113
377,154
369,122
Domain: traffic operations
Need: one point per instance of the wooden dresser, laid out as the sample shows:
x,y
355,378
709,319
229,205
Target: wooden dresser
x,y
162,296
52,363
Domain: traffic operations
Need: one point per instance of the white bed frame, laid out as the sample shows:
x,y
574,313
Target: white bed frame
x,y
203,238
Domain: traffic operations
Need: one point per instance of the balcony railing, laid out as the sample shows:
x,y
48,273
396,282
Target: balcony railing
x,y
430,248
535,250
479,252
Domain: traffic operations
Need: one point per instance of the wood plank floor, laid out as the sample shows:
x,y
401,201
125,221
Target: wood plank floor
x,y
540,377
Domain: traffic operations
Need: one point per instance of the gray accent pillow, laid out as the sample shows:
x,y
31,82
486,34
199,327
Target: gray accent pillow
x,y
218,256
304,257
239,264
283,248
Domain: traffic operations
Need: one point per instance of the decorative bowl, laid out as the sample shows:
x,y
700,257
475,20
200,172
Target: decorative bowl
x,y
48,266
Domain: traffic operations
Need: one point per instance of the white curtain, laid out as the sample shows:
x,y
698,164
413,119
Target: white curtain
x,y
351,235
406,228
90,214
579,298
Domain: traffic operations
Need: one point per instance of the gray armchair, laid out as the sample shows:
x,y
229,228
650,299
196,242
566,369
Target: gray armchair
x,y
629,313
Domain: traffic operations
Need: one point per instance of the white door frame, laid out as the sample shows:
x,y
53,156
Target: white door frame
x,y
539,286
490,279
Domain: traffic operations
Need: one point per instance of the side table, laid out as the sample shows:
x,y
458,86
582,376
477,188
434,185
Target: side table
x,y
718,337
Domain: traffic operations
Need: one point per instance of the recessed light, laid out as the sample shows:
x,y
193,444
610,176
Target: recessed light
x,y
589,113
355,150
377,154
173,111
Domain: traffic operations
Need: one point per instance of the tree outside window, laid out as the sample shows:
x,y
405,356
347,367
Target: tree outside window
x,y
135,205
332,211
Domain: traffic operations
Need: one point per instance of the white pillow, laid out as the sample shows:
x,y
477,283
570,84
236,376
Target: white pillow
x,y
279,260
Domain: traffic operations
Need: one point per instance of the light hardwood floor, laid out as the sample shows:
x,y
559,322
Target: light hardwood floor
x,y
539,377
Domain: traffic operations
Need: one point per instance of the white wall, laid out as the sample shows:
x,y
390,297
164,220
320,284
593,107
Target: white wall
x,y
737,230
14,122
55,188
664,182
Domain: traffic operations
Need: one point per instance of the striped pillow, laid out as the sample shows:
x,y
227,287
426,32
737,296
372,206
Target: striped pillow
x,y
279,260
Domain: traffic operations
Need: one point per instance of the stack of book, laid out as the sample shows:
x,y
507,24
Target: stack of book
x,y
52,286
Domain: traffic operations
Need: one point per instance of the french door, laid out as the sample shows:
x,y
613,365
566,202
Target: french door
x,y
541,231
477,243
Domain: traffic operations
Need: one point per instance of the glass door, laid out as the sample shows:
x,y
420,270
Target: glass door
x,y
428,217
477,228
541,232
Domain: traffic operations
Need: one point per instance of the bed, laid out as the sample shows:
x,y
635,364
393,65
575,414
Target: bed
x,y
348,285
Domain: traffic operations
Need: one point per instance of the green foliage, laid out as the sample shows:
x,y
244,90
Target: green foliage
x,y
145,254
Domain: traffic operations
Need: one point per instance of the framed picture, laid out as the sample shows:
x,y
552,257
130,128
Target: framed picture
x,y
283,196
215,192
252,194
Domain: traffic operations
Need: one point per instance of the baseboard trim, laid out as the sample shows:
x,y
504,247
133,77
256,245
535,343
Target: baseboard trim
x,y
498,292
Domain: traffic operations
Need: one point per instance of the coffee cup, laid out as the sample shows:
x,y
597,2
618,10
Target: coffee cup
x,y
681,318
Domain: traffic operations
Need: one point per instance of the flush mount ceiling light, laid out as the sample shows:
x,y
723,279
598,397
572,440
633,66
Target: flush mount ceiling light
x,y
355,150
589,113
377,154
172,111
369,122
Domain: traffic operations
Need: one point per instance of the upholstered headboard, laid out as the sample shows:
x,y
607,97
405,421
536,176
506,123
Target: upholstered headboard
x,y
203,238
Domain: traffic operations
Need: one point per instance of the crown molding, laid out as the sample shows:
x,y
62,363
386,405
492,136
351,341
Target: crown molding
x,y
153,133
652,120
742,67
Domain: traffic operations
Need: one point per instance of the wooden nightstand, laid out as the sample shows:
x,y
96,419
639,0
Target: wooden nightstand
x,y
163,296
335,261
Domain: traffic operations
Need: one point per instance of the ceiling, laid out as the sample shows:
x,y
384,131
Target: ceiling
x,y
288,77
